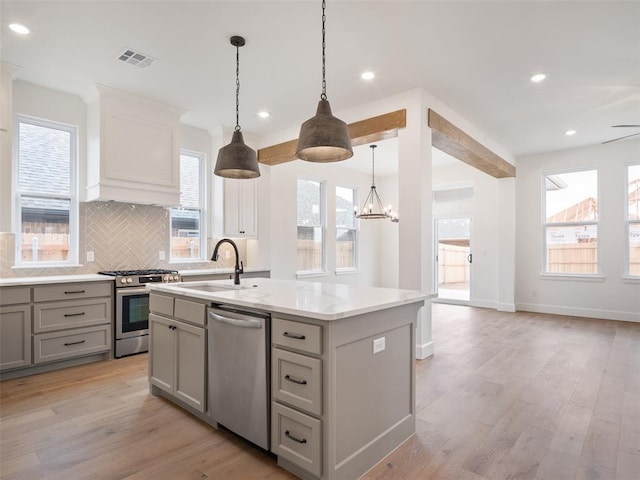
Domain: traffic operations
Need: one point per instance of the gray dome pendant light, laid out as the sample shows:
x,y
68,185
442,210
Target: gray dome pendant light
x,y
324,138
237,160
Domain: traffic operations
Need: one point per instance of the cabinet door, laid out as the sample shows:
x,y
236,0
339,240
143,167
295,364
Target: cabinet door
x,y
190,386
162,356
15,337
240,217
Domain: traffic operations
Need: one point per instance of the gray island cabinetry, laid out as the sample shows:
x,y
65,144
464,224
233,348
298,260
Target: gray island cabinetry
x,y
177,353
342,369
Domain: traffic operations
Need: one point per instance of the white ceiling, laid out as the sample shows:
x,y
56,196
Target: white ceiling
x,y
476,56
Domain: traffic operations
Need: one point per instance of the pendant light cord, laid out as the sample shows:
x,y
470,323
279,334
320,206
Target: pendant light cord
x,y
323,96
373,166
237,129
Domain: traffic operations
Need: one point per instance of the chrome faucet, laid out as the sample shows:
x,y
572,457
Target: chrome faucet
x,y
239,268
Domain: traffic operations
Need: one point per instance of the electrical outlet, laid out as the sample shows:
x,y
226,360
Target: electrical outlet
x,y
161,254
227,254
378,345
90,257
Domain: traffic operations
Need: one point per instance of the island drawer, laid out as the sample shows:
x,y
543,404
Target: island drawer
x,y
300,336
71,343
71,314
297,380
15,295
68,291
297,438
161,304
192,312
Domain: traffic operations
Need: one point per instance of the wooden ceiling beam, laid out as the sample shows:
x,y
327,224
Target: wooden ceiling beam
x,y
365,131
447,137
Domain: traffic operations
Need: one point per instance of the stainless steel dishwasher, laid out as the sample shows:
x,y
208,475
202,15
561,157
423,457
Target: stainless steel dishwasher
x,y
239,371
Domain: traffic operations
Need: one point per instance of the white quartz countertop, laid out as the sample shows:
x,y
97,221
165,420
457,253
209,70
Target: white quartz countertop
x,y
17,281
322,301
216,271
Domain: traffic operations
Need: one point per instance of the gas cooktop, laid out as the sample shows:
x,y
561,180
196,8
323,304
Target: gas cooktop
x,y
134,278
148,271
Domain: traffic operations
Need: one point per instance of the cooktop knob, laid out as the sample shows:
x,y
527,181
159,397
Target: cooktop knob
x,y
123,280
129,280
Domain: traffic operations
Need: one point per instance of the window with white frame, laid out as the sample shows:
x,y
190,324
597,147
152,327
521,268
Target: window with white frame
x,y
311,226
571,222
346,229
633,219
187,235
46,201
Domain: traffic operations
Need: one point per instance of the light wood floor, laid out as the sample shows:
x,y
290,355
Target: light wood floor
x,y
507,396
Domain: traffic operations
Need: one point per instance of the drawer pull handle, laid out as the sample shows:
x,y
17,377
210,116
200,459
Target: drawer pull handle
x,y
288,435
74,343
295,380
295,336
73,291
74,314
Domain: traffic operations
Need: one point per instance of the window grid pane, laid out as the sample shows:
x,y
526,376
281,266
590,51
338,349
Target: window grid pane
x,y
346,233
310,229
571,229
186,221
46,204
633,219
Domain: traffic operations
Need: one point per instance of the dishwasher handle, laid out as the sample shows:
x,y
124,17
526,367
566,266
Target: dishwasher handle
x,y
244,322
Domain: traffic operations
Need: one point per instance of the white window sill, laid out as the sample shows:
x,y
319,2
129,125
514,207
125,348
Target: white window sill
x,y
311,274
572,277
46,265
347,271
631,279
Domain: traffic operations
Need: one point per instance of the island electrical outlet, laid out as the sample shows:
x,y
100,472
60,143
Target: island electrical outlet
x,y
378,345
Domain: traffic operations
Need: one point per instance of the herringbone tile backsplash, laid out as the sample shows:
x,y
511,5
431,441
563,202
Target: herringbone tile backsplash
x,y
122,236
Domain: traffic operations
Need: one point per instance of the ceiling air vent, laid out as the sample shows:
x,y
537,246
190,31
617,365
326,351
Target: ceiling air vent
x,y
138,59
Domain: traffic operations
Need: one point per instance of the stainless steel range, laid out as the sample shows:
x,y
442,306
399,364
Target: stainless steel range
x,y
132,307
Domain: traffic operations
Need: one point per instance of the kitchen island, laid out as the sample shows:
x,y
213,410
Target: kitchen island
x,y
340,361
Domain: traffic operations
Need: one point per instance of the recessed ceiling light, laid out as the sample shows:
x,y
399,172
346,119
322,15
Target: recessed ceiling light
x,y
568,133
538,77
18,28
264,114
368,76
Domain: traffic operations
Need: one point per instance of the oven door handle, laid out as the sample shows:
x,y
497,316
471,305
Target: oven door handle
x,y
131,291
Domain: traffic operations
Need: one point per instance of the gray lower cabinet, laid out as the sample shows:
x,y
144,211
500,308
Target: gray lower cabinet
x,y
178,355
296,392
15,328
71,320
44,324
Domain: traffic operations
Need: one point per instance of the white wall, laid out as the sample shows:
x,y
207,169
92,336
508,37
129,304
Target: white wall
x,y
610,296
484,225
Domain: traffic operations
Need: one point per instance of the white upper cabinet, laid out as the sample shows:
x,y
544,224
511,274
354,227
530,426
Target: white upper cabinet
x,y
240,207
133,148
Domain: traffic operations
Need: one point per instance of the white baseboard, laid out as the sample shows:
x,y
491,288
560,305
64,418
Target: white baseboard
x,y
484,303
424,351
580,312
506,307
